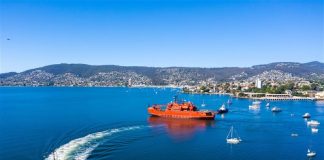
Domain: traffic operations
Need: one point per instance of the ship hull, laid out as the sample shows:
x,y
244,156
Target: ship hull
x,y
182,114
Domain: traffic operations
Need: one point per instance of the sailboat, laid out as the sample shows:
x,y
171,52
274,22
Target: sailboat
x,y
229,102
203,104
311,153
232,140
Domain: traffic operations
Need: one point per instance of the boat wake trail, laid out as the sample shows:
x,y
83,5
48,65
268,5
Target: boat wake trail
x,y
81,148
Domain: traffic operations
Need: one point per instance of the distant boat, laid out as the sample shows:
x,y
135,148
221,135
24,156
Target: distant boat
x,y
255,105
268,105
294,134
313,123
311,153
232,140
314,130
276,109
229,102
306,115
222,109
203,104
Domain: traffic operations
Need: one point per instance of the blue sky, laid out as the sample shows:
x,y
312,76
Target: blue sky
x,y
196,33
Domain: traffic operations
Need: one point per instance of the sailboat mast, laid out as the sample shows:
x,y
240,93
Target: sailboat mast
x,y
232,132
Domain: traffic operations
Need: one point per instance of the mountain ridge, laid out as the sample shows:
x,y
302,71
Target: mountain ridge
x,y
118,75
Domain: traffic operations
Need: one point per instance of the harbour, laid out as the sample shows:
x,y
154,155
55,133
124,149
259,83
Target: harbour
x,y
90,132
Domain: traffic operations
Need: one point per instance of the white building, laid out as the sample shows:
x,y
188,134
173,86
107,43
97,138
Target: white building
x,y
130,82
258,83
319,95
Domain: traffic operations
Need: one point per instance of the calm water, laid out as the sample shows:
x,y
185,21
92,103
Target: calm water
x,y
112,123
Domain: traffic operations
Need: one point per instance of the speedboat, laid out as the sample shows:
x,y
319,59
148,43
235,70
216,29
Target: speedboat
x,y
222,109
313,123
276,109
311,153
232,140
314,130
255,105
306,115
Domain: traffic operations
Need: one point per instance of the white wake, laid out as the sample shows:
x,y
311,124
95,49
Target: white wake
x,y
80,149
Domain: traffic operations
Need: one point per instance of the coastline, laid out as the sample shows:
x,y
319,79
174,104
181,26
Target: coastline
x,y
175,87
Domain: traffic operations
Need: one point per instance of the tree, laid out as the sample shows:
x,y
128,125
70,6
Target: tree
x,y
305,87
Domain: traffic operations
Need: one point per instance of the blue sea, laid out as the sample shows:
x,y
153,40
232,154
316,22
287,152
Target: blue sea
x,y
112,123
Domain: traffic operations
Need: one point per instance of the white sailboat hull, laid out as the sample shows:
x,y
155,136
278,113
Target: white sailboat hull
x,y
233,140
311,154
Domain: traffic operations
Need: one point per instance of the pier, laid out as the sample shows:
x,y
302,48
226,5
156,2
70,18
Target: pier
x,y
276,97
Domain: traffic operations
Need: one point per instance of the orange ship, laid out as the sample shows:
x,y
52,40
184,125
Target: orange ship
x,y
180,110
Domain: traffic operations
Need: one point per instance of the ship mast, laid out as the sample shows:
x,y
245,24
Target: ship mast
x,y
175,98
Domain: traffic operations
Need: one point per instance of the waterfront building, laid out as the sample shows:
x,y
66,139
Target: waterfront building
x,y
319,95
130,82
277,95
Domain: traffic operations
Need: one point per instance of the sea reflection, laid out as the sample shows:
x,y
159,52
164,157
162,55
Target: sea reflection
x,y
181,129
320,106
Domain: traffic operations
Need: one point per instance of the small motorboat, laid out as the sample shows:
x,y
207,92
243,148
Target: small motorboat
x,y
306,115
314,130
268,105
222,109
276,109
311,153
313,123
294,135
255,105
232,140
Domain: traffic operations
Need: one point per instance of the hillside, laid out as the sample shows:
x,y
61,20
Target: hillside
x,y
110,75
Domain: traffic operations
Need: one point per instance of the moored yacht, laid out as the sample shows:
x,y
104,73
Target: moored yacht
x,y
276,109
232,140
222,109
306,115
313,123
311,153
255,105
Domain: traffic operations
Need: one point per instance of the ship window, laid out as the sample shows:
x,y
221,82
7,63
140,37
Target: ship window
x,y
208,114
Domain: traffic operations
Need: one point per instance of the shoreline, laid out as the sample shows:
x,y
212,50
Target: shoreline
x,y
293,98
175,87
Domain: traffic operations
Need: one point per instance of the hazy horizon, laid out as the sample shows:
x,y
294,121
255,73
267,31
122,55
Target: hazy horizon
x,y
185,33
156,66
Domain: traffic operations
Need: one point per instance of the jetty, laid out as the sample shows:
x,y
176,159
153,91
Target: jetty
x,y
275,97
